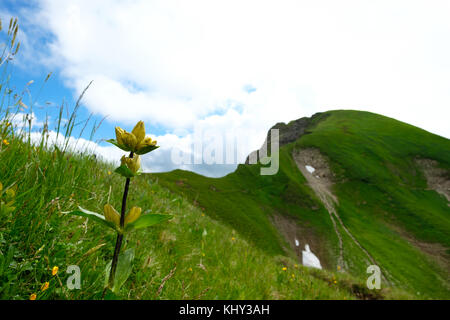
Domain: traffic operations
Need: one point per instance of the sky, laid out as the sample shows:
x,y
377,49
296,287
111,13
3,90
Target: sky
x,y
231,67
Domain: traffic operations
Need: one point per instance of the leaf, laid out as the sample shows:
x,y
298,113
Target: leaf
x,y
148,220
123,271
111,296
123,170
146,149
92,215
118,145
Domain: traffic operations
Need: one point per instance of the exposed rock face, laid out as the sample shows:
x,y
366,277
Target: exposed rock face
x,y
287,133
438,179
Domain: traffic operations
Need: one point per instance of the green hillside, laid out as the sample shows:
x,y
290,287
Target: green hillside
x,y
193,256
389,215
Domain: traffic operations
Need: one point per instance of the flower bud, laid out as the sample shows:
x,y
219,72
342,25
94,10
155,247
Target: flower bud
x,y
119,135
133,215
111,214
139,131
129,140
134,164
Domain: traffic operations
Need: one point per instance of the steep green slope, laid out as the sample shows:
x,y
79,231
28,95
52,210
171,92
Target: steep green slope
x,y
389,215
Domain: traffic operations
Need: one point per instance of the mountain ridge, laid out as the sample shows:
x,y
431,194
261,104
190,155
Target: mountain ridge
x,y
378,191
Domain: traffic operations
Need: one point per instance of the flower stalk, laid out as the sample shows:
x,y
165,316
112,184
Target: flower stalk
x,y
137,144
119,238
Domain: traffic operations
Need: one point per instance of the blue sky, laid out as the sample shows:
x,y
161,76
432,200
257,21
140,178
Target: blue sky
x,y
231,66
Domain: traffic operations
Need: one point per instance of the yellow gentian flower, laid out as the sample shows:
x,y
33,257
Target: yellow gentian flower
x,y
112,215
146,142
134,141
55,270
45,286
139,131
134,164
133,215
119,135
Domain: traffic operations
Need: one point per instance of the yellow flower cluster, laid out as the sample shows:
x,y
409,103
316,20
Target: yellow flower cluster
x,y
134,164
135,141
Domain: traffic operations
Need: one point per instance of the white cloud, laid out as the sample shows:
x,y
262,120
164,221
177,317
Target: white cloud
x,y
24,121
107,153
178,63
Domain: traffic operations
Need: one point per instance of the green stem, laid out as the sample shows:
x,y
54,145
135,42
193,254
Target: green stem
x,y
119,235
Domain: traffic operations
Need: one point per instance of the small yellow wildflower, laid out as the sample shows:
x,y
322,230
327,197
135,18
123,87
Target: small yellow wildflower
x,y
55,270
33,296
203,254
109,173
339,267
45,286
5,142
233,238
295,265
293,275
203,214
335,281
190,269
284,269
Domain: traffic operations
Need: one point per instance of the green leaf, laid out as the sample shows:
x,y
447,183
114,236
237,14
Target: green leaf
x,y
118,145
123,271
146,149
148,220
123,170
92,215
111,296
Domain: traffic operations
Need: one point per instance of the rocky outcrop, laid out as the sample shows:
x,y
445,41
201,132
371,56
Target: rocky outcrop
x,y
287,133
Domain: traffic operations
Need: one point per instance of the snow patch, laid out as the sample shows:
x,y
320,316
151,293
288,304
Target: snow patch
x,y
310,169
309,259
